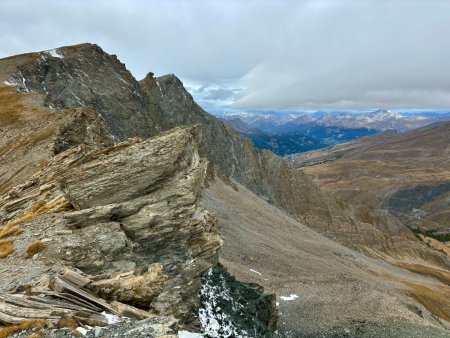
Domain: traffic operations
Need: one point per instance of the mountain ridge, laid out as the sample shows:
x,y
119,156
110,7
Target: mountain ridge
x,y
163,103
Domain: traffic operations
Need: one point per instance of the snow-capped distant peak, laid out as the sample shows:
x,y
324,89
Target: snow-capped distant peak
x,y
384,114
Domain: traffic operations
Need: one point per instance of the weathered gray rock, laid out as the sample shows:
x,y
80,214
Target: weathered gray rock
x,y
84,75
119,208
138,288
261,171
229,308
137,204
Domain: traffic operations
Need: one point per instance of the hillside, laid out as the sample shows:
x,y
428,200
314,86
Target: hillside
x,y
119,179
341,293
407,174
91,226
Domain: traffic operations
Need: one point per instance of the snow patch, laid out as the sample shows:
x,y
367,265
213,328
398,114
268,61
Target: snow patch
x,y
157,83
187,334
254,271
82,330
290,297
112,319
214,322
54,53
17,80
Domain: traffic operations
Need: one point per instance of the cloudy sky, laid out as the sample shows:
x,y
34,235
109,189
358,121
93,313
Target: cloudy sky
x,y
259,54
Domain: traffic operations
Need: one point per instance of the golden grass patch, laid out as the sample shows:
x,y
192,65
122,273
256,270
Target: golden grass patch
x,y
34,248
27,324
71,324
436,299
6,247
9,230
442,275
67,322
41,207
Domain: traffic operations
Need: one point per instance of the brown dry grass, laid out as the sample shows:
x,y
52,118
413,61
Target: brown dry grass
x,y
9,230
12,229
41,207
6,247
435,298
442,275
27,324
34,248
67,322
71,324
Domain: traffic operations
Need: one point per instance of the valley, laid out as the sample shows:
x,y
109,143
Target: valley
x,y
120,178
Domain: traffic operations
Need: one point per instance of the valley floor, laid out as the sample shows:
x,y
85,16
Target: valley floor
x,y
339,292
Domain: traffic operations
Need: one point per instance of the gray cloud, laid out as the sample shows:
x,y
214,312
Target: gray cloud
x,y
259,54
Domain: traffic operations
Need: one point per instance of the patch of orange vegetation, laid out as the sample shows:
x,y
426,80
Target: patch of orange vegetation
x,y
34,248
27,324
436,299
6,247
12,229
442,275
40,207
9,230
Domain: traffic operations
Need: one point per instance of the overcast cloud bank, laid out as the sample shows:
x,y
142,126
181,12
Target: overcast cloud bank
x,y
259,54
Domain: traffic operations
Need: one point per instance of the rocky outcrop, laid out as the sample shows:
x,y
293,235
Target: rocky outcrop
x,y
135,208
137,205
235,156
127,215
228,307
84,75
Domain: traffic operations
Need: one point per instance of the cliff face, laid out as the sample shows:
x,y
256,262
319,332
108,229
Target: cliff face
x,y
235,156
84,75
124,218
135,207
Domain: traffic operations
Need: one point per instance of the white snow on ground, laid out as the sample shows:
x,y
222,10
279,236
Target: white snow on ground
x,y
160,90
112,319
214,322
82,330
17,80
54,53
186,334
290,297
259,273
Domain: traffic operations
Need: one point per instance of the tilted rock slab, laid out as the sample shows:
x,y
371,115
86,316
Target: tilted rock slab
x,y
136,204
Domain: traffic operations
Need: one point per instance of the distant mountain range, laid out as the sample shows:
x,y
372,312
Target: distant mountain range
x,y
405,174
289,133
280,143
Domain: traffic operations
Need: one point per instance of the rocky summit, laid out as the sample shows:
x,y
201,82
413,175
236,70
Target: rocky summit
x,y
93,225
126,210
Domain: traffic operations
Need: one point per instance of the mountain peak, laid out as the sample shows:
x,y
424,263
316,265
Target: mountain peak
x,y
385,113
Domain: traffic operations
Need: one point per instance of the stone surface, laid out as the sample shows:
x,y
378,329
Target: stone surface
x,y
137,287
87,76
227,307
137,204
